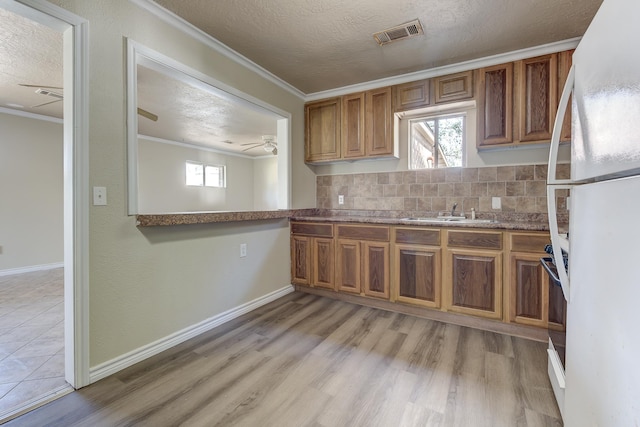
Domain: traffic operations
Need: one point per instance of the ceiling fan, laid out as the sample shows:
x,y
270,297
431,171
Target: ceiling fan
x,y
43,90
269,144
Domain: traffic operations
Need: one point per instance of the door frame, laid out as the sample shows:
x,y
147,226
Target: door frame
x,y
76,178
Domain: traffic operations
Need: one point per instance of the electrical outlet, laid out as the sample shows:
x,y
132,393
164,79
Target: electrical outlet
x,y
243,250
496,203
340,199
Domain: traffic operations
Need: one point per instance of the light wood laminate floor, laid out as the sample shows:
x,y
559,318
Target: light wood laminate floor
x,y
306,360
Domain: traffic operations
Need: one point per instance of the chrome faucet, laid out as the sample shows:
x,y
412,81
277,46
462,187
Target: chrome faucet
x,y
453,209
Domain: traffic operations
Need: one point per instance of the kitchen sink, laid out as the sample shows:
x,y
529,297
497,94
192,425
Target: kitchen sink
x,y
445,219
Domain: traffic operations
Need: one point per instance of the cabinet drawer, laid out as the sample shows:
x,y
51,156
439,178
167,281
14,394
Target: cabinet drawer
x,y
480,240
312,229
416,236
534,243
359,232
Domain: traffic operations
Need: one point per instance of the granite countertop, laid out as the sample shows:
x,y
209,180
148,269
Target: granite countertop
x,y
502,221
497,225
186,218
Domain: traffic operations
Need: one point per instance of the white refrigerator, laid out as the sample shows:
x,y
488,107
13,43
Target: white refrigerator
x,y
601,382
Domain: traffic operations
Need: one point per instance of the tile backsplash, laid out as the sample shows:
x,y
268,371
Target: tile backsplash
x,y
522,189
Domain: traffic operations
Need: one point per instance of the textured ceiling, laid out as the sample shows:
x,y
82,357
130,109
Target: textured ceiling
x,y
191,112
30,54
316,45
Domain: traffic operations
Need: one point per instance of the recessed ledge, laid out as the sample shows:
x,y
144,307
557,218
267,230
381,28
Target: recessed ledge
x,y
187,218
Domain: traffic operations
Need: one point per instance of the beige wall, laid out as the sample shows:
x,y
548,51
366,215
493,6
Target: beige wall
x,y
146,284
265,186
31,195
161,180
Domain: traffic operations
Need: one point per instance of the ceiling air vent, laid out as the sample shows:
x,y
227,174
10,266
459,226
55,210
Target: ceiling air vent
x,y
400,32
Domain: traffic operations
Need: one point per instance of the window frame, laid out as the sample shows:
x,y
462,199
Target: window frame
x,y
222,175
436,152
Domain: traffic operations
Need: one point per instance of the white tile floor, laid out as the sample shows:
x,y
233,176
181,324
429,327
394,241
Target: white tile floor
x,y
31,337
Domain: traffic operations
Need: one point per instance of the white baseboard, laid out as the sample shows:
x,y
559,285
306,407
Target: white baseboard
x,y
128,359
31,268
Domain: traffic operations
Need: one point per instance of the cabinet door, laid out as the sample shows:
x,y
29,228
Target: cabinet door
x,y
417,271
300,260
495,105
322,130
323,263
475,283
348,265
564,65
353,109
376,269
412,95
454,87
529,290
537,97
379,122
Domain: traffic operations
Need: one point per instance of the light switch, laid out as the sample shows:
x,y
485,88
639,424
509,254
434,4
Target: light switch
x,y
340,199
99,196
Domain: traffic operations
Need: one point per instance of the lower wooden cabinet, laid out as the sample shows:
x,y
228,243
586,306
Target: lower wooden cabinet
x,y
528,290
375,269
362,260
418,275
473,273
417,266
348,266
491,274
312,254
474,283
323,262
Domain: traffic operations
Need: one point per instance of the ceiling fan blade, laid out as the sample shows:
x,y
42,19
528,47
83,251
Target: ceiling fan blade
x,y
252,143
148,115
46,103
49,87
250,148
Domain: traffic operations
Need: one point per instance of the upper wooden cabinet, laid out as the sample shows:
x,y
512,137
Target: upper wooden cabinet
x,y
322,130
353,112
454,87
439,90
537,102
378,121
355,126
517,102
412,95
495,105
565,59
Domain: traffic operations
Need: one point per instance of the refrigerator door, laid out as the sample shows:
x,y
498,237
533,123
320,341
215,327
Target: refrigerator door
x,y
603,314
606,110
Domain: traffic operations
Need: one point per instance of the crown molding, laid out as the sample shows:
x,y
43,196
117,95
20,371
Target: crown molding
x,y
196,147
189,29
449,69
26,114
